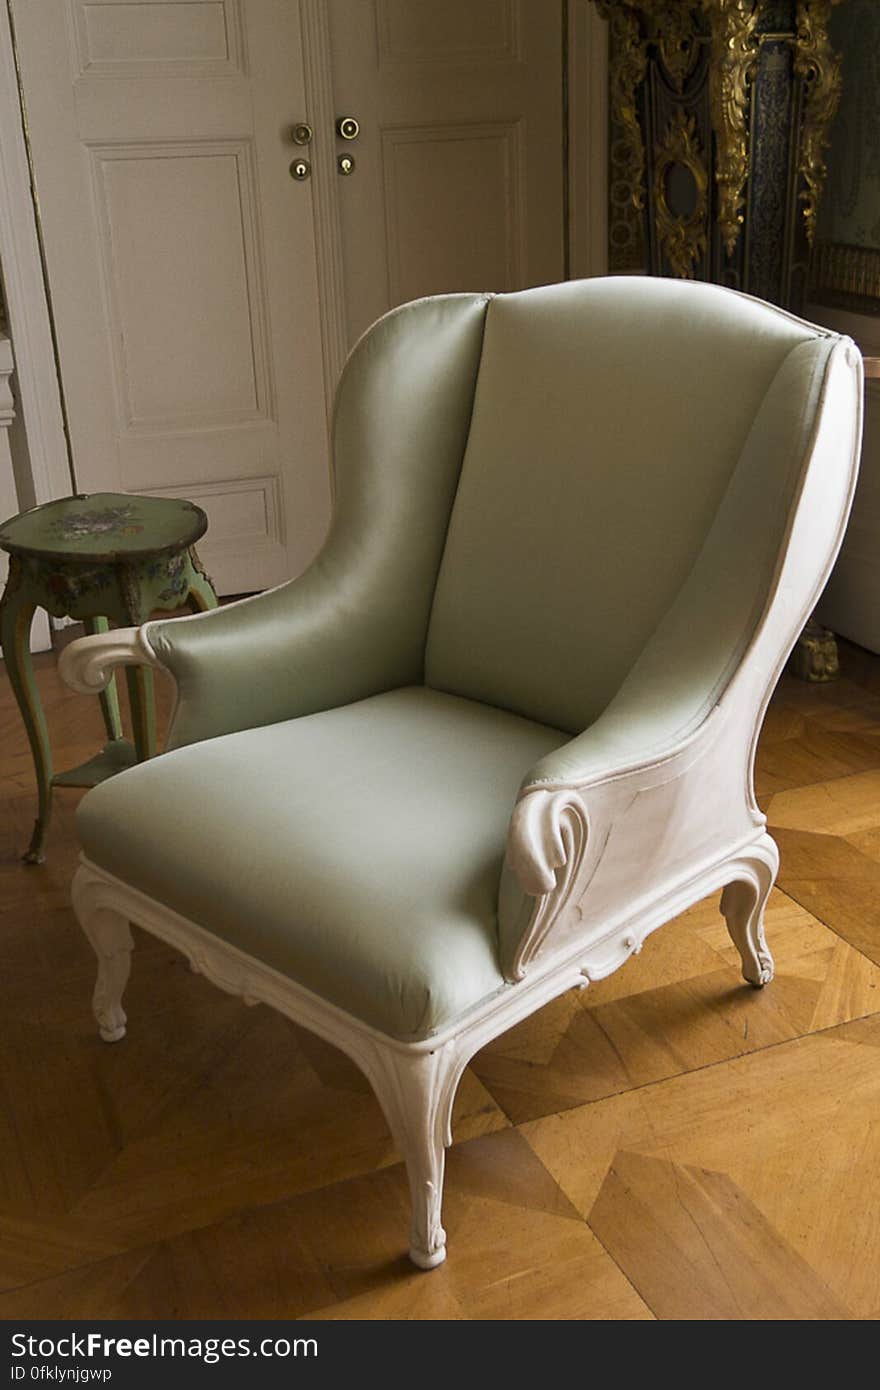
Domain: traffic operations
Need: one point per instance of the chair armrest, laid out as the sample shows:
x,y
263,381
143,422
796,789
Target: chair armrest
x,y
662,781
87,664
656,726
283,653
596,825
302,647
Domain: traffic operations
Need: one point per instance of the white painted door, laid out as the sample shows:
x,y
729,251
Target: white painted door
x,y
458,167
181,262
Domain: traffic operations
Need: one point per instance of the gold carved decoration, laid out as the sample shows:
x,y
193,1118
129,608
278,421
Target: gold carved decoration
x,y
670,25
626,73
629,73
816,63
683,239
676,38
734,54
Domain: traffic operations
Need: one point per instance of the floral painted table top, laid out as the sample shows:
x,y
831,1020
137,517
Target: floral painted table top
x,y
104,526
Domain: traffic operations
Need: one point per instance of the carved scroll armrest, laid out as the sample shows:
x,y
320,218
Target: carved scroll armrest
x,y
87,664
550,838
548,830
560,829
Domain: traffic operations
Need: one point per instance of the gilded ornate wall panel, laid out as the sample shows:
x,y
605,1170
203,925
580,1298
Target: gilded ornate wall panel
x,y
719,115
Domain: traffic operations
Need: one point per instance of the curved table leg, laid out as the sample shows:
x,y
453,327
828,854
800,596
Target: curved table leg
x,y
142,699
201,591
109,698
137,600
16,613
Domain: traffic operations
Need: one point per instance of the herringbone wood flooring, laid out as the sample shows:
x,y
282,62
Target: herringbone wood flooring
x,y
668,1144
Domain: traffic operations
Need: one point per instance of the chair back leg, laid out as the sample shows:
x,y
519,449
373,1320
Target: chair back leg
x,y
111,939
742,906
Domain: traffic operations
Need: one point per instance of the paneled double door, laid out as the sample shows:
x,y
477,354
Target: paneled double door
x,y
209,264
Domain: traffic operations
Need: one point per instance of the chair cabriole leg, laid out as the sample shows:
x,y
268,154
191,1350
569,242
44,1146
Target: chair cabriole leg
x,y
742,906
416,1091
110,936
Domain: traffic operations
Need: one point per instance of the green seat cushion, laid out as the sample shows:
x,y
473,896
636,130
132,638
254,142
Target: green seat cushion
x,y
357,851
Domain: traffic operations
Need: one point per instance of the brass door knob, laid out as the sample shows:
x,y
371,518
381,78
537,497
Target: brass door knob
x,y
302,133
347,128
300,169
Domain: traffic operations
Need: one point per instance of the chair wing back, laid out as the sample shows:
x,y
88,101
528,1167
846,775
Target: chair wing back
x,y
617,425
355,622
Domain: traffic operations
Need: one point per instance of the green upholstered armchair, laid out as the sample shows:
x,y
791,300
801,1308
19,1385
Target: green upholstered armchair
x,y
503,728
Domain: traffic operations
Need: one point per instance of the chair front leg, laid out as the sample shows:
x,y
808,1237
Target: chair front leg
x,y
416,1091
111,939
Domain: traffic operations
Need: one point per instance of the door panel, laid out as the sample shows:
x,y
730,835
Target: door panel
x,y
458,178
189,328
446,177
158,39
410,32
182,265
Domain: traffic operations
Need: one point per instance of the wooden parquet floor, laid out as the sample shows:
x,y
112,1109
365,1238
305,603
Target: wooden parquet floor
x,y
667,1144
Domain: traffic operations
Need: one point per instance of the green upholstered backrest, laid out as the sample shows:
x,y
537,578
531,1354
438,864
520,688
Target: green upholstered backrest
x,y
523,487
608,422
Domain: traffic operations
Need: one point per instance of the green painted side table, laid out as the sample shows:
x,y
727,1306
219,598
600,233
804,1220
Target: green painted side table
x,y
102,558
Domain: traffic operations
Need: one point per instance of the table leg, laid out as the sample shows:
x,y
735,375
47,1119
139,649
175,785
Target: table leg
x,y
201,590
109,698
142,699
16,613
